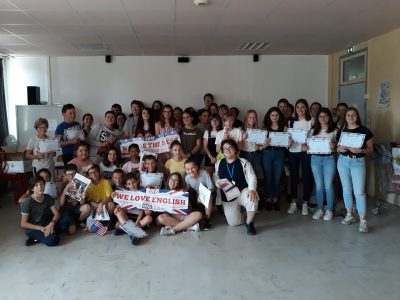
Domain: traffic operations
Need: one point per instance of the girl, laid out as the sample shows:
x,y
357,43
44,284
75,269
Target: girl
x,y
81,158
323,166
273,158
103,136
223,109
213,109
351,167
39,215
209,143
250,149
302,120
40,160
165,125
190,139
141,217
87,122
145,126
157,107
178,118
229,133
177,161
121,119
131,123
110,163
177,223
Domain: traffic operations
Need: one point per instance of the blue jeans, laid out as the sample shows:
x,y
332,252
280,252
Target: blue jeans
x,y
272,164
51,240
324,169
352,175
254,159
295,159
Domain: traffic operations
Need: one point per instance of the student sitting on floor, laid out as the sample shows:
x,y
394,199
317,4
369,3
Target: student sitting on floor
x,y
176,223
46,175
141,217
150,166
39,215
118,180
71,210
133,165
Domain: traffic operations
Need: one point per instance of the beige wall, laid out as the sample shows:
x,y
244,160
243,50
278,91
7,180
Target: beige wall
x,y
383,64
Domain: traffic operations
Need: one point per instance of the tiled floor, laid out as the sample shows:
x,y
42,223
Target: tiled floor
x,y
291,257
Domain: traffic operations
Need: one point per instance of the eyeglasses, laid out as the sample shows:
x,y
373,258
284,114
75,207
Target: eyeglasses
x,y
228,149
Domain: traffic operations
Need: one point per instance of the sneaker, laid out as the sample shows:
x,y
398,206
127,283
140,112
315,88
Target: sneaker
x,y
304,210
348,220
134,240
193,228
318,214
250,228
167,230
30,241
363,226
328,215
276,206
207,225
293,208
119,231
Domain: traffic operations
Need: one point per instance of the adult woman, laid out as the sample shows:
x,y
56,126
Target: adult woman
x,y
145,125
323,166
302,121
241,174
103,136
273,158
250,149
190,139
131,122
351,167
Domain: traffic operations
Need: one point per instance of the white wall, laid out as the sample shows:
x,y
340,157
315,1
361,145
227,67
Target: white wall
x,y
93,85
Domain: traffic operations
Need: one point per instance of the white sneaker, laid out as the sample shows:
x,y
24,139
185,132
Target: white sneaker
x,y
304,210
318,214
194,228
293,208
348,220
363,226
167,230
328,215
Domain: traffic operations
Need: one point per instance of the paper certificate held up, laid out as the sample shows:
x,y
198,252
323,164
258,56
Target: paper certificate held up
x,y
77,187
354,140
230,190
49,145
257,136
319,145
279,139
74,132
204,195
298,135
151,179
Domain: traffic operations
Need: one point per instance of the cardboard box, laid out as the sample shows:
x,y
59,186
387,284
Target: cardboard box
x,y
16,162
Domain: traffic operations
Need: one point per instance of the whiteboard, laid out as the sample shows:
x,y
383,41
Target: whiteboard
x,y
28,114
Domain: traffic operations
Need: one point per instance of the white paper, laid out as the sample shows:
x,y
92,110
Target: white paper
x,y
354,140
73,133
79,185
104,216
298,135
257,136
204,195
151,179
230,190
384,94
319,145
279,139
396,160
50,188
49,145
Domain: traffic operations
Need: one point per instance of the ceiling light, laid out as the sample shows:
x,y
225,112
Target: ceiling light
x,y
248,46
200,2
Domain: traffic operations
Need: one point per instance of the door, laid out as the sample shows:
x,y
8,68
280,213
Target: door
x,y
354,95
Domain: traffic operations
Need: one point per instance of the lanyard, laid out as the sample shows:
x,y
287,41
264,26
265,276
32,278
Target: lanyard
x,y
230,172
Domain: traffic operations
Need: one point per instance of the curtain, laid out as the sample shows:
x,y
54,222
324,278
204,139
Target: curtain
x,y
3,109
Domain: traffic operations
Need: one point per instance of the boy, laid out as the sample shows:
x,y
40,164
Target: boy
x,y
69,123
133,164
150,166
193,179
118,180
71,210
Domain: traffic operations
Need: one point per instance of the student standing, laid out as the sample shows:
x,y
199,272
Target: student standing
x,y
190,138
352,170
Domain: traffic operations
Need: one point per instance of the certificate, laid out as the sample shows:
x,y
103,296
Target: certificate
x,y
204,195
49,145
73,133
319,145
279,139
298,135
257,136
354,140
151,179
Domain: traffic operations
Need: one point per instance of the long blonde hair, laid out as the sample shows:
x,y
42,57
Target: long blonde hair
x,y
247,116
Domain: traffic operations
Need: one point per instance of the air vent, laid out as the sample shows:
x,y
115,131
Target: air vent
x,y
253,46
90,47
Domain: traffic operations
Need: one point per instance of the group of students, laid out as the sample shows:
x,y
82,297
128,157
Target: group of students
x,y
213,145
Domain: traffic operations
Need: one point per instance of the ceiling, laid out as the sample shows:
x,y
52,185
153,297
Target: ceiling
x,y
178,27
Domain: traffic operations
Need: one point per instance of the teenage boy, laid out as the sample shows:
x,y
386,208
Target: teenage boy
x,y
69,124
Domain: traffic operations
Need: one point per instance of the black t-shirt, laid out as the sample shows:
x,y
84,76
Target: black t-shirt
x,y
359,130
236,169
39,212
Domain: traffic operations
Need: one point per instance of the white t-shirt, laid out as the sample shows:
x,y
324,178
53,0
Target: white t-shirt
x,y
303,124
235,134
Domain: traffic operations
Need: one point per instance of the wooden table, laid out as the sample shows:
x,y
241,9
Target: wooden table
x,y
19,182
